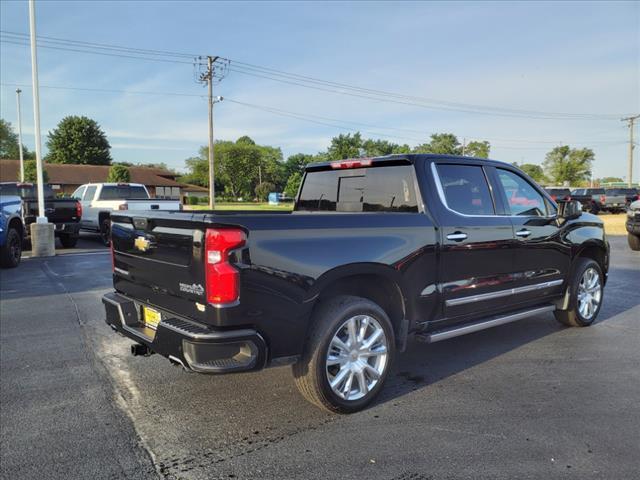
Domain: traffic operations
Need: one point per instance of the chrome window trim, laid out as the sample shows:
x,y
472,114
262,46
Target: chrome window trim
x,y
454,302
443,199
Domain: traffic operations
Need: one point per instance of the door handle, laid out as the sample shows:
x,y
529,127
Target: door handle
x,y
457,236
524,233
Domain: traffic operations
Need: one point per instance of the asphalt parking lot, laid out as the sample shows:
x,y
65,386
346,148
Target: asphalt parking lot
x,y
529,400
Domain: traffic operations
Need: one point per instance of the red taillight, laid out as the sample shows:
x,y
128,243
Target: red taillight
x,y
603,198
358,163
78,210
568,198
124,206
222,278
554,197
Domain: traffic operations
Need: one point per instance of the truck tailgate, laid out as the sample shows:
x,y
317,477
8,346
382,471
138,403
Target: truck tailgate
x,y
159,260
57,211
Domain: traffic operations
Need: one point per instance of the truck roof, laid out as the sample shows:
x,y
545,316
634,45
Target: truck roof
x,y
116,184
395,159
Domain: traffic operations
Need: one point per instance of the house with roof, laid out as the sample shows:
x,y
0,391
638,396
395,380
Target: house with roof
x,y
66,178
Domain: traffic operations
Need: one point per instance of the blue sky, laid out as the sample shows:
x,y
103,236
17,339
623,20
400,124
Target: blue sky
x,y
559,57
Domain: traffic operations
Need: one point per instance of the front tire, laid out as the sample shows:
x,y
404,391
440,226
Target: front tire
x,y
634,241
11,252
347,355
586,292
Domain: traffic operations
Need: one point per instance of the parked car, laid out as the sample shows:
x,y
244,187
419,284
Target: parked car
x,y
11,230
100,199
615,200
633,225
592,199
559,193
374,251
630,194
64,213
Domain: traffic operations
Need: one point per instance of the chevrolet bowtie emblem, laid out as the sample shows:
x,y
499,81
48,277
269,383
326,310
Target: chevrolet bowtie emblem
x,y
142,244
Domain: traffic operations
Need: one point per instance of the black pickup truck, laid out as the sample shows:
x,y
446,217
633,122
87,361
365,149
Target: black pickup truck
x,y
64,213
376,250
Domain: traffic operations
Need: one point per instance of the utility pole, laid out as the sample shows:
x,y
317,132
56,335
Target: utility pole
x,y
631,121
464,146
212,187
18,91
209,76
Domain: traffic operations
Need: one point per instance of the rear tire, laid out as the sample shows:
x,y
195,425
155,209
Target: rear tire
x,y
105,232
586,292
341,351
634,241
11,252
68,241
594,208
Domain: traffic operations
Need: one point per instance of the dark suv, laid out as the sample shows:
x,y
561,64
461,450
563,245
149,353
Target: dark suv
x,y
375,251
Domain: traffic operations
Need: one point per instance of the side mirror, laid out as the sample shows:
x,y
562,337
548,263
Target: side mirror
x,y
570,210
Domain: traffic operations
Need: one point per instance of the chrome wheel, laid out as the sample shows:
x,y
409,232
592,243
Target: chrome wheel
x,y
357,357
589,293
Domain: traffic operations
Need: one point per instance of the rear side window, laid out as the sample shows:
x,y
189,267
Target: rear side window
x,y
122,192
465,189
376,189
89,193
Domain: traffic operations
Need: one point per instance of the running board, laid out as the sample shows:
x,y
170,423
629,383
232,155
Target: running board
x,y
431,337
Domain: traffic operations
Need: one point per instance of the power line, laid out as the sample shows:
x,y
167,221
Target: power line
x,y
108,54
467,106
319,120
312,82
100,45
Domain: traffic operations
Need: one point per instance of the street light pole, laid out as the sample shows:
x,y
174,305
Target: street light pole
x,y
42,232
36,110
18,91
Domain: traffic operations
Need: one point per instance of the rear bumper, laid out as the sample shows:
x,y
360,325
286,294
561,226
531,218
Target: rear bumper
x,y
182,341
70,228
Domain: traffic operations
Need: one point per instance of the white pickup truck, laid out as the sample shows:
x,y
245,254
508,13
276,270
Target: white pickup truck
x,y
100,199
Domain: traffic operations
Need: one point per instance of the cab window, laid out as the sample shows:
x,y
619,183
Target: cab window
x,y
465,189
522,198
78,193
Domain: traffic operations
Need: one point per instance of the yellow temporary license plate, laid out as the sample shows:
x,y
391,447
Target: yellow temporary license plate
x,y
151,317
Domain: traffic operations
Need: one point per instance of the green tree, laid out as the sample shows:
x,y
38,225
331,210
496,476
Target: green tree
x,y
296,163
477,149
263,190
379,148
78,140
31,172
293,184
534,171
345,146
441,143
245,140
610,180
564,164
119,174
239,166
9,147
